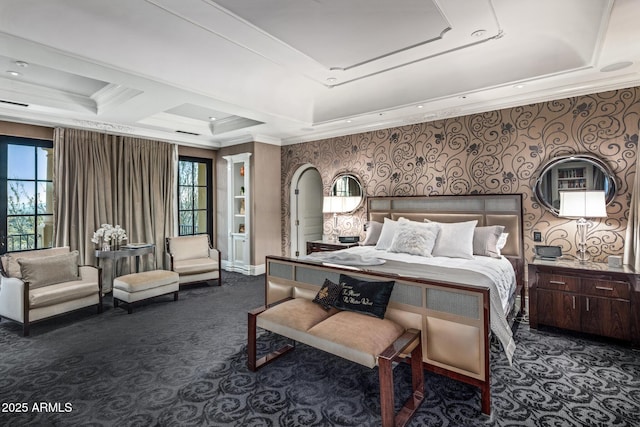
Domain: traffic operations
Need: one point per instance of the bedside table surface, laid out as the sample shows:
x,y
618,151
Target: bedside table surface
x,y
584,266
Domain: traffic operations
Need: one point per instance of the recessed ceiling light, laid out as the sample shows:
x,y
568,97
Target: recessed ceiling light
x,y
331,80
463,97
616,66
520,86
479,33
13,73
348,120
212,118
420,106
22,64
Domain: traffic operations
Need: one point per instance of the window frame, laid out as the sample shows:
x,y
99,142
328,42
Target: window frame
x,y
209,191
5,141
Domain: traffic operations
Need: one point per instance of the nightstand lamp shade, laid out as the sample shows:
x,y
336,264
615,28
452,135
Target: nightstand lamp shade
x,y
582,204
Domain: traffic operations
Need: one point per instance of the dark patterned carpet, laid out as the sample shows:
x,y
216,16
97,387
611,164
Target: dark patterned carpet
x,y
184,364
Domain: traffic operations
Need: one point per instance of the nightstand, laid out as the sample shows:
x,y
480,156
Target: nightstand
x,y
585,297
327,246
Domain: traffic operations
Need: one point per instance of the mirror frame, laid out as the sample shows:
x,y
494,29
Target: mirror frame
x,y
546,168
357,180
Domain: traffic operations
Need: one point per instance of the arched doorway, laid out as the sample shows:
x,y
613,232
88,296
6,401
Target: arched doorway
x,y
306,208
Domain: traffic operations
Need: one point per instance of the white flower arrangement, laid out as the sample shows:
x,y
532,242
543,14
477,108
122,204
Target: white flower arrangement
x,y
108,233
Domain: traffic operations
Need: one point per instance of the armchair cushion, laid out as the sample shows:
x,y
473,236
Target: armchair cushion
x,y
12,267
49,270
188,247
195,266
61,292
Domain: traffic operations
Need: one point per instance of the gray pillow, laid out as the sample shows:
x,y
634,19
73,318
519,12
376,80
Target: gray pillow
x,y
373,233
485,240
49,270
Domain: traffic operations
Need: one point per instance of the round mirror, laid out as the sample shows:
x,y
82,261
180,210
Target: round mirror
x,y
349,187
579,172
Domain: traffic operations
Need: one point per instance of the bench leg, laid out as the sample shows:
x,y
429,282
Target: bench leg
x,y
385,367
253,363
175,296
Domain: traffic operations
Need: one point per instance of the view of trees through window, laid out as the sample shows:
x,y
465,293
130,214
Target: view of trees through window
x,y
26,193
194,204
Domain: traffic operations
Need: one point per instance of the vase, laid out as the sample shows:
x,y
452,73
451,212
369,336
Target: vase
x,y
106,246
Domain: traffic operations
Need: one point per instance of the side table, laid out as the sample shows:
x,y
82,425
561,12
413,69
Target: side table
x,y
115,256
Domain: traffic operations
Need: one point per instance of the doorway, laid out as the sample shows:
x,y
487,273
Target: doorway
x,y
306,209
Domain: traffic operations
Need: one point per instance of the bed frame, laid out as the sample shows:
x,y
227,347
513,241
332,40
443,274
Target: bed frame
x,y
453,318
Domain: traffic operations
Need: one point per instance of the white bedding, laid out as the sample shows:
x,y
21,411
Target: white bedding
x,y
499,271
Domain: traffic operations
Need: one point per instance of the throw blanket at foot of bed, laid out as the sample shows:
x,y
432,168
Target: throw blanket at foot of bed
x,y
357,337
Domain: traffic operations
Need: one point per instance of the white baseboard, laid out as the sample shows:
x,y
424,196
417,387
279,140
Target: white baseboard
x,y
250,270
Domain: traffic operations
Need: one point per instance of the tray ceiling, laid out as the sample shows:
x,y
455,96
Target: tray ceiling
x,y
216,73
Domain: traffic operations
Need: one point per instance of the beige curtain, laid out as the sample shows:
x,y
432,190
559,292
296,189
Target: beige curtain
x,y
632,238
111,179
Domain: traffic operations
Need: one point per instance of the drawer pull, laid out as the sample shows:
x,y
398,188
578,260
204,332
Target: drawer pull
x,y
574,302
587,304
604,288
556,282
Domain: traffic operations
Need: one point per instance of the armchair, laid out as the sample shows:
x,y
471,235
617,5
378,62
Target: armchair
x,y
36,285
193,258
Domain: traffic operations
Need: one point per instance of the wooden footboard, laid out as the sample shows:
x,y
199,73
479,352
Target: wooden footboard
x,y
453,319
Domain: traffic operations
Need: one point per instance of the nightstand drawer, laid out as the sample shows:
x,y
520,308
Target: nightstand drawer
x,y
559,282
605,288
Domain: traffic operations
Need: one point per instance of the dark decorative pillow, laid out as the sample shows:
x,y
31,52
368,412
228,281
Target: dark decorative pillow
x,y
328,294
364,297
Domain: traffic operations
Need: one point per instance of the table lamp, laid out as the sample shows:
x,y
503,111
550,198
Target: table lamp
x,y
335,205
582,205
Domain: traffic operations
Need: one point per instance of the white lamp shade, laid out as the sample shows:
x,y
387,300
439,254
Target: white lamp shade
x,y
582,204
339,204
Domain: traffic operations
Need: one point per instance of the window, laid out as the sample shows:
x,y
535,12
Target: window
x,y
195,204
26,194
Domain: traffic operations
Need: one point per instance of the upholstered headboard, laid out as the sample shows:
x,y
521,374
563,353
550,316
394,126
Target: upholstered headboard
x,y
498,209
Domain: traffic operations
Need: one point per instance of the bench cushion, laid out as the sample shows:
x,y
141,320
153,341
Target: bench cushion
x,y
137,282
299,313
195,265
356,337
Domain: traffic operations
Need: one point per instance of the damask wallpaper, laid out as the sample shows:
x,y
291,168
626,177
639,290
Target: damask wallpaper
x,y
488,153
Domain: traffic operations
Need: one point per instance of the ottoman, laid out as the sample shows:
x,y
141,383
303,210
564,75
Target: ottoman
x,y
141,286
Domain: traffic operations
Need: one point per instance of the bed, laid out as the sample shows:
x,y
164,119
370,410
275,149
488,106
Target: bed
x,y
457,303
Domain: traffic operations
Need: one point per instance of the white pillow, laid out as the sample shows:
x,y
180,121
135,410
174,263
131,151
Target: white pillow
x,y
386,234
414,238
502,241
455,239
373,233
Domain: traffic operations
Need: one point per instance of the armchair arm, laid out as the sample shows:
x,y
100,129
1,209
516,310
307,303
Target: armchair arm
x,y
12,293
91,273
214,253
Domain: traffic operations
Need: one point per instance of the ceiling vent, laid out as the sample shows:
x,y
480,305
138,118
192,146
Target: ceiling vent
x,y
188,133
19,104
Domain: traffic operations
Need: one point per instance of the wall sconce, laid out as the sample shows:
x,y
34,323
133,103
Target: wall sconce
x,y
582,205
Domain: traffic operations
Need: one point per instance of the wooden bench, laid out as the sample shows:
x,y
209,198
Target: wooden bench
x,y
363,339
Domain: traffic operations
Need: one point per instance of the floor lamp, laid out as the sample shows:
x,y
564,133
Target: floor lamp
x,y
582,205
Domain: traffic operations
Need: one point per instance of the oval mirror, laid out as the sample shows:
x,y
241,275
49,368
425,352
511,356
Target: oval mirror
x,y
579,172
349,187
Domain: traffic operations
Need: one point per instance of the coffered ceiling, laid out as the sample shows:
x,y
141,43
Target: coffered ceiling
x,y
216,73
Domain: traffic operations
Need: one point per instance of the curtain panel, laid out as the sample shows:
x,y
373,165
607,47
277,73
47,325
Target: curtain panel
x,y
632,237
101,178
